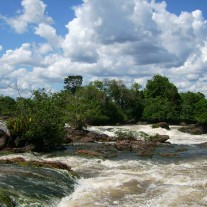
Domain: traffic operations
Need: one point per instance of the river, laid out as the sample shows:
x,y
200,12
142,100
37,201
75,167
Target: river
x,y
124,181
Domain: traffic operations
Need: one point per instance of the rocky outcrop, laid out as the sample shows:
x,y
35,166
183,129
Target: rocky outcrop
x,y
159,138
4,138
35,163
163,125
90,153
84,136
195,129
143,148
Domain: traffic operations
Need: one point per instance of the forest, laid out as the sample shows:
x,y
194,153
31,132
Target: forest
x,y
40,119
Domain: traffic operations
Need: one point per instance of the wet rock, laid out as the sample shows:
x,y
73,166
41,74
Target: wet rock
x,y
163,125
20,142
195,129
4,138
35,163
142,148
85,136
183,124
159,138
90,153
123,145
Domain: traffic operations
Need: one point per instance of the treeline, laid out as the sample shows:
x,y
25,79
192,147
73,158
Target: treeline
x,y
40,119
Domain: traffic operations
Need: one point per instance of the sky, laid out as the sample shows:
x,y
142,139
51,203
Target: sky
x,y
44,41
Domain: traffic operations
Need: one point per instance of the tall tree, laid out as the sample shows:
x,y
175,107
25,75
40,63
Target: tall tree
x,y
72,83
188,105
160,90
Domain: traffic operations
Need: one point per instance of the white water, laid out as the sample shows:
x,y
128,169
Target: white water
x,y
135,182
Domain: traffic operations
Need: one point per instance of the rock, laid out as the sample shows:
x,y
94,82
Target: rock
x,y
85,136
132,121
123,145
20,142
159,138
162,125
36,163
89,153
4,138
143,148
195,129
183,124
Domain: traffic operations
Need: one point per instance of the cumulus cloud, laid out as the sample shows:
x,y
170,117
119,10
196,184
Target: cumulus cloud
x,y
130,40
1,47
33,12
133,39
49,33
22,55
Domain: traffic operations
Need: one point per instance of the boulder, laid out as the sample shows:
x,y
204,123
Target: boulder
x,y
123,145
4,138
89,153
159,138
20,142
162,125
36,163
143,148
195,129
74,135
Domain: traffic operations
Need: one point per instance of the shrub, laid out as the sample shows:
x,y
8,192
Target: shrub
x,y
40,122
123,135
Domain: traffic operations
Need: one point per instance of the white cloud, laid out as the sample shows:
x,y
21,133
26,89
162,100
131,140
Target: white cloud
x,y
49,33
1,47
130,40
33,12
22,55
138,39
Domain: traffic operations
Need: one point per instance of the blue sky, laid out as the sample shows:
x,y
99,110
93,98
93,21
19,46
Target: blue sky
x,y
43,41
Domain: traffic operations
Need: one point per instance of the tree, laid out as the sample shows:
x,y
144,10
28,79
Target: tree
x,y
159,109
7,105
162,93
189,102
90,106
127,100
201,111
39,121
72,83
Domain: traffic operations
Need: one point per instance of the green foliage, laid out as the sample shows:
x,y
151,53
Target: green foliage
x,y
189,101
159,109
91,106
72,83
160,86
125,135
201,111
162,100
7,106
39,121
128,101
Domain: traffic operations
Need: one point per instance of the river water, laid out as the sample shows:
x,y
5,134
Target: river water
x,y
126,181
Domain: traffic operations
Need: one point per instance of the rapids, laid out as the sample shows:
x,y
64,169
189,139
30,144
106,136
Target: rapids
x,y
124,181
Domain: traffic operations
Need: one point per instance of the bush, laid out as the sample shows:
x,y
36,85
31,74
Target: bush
x,y
40,122
123,135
